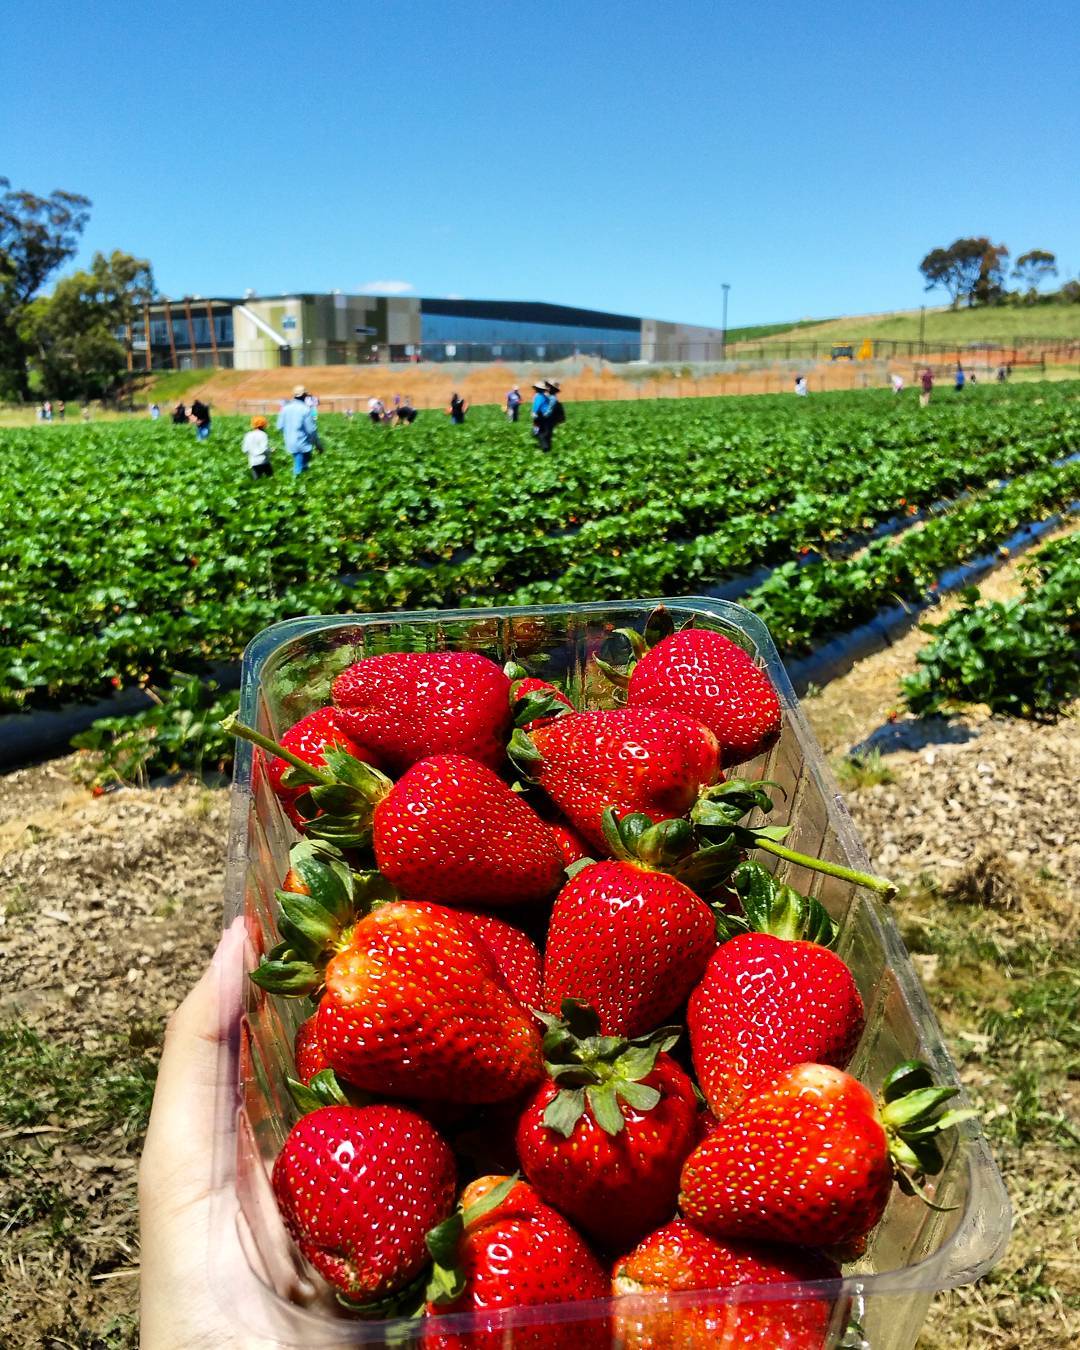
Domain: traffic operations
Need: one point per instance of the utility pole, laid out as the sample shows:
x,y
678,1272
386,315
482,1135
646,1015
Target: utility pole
x,y
725,287
922,328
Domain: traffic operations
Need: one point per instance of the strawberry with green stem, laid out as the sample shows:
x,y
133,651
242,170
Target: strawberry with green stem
x,y
634,760
413,1000
450,830
811,1158
359,1188
626,937
772,996
503,1249
308,741
679,1260
533,700
604,1139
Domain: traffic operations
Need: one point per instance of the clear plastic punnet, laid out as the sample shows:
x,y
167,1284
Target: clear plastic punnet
x,y
258,1274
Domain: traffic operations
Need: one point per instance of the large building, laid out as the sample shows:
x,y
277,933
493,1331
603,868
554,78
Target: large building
x,y
259,332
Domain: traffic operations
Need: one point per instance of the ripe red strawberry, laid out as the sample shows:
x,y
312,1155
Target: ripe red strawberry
x,y
359,1188
810,1159
628,940
571,845
677,1259
451,830
515,1253
604,1139
308,740
764,1005
310,1056
707,676
339,898
515,955
535,701
632,759
406,706
415,1007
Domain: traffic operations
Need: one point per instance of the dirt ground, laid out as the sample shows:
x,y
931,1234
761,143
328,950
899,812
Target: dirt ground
x,y
110,906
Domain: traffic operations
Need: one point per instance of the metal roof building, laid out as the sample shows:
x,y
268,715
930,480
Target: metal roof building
x,y
261,332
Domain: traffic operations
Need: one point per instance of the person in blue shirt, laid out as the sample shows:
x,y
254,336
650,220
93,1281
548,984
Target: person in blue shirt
x,y
958,383
296,422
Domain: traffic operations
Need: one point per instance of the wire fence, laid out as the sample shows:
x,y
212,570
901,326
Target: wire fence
x,y
1010,352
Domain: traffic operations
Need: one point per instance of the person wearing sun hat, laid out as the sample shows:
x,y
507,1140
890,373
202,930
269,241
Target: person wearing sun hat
x,y
296,422
257,448
548,416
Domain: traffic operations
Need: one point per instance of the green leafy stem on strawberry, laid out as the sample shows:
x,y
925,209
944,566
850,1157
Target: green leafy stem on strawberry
x,y
912,1112
601,1071
447,1279
315,923
719,810
340,798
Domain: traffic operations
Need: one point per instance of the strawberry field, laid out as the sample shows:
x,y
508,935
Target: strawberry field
x,y
130,551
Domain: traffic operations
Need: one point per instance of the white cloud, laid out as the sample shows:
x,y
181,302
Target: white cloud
x,y
385,287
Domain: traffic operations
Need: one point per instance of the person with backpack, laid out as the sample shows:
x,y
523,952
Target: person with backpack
x,y
547,415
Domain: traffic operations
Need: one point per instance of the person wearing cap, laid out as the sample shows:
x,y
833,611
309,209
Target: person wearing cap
x,y
256,446
513,404
548,415
296,422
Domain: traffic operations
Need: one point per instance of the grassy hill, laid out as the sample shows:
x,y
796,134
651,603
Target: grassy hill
x,y
987,323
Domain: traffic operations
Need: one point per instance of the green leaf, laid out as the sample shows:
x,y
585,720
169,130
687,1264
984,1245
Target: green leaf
x,y
640,1096
564,1111
605,1108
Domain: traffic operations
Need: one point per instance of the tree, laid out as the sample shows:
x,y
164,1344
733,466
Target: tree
x,y
1034,267
971,269
37,235
74,335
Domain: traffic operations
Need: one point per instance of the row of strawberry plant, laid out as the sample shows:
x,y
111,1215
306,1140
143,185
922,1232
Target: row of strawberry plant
x,y
129,551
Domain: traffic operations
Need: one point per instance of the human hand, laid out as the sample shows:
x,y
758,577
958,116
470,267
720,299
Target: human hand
x,y
179,1306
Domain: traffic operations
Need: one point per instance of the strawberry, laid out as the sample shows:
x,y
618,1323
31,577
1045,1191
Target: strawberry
x,y
406,706
534,701
308,739
604,1139
810,1159
359,1188
764,1005
505,1249
314,932
628,940
415,1007
310,1056
451,830
709,677
631,759
680,1260
514,954
768,999
571,845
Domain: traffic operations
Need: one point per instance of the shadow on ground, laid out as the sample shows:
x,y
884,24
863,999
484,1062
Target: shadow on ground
x,y
913,734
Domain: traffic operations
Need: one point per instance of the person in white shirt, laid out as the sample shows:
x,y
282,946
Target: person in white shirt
x,y
801,387
897,383
257,448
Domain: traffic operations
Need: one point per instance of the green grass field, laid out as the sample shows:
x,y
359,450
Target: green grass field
x,y
942,325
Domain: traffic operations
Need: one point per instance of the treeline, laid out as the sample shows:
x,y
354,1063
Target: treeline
x,y
62,345
976,271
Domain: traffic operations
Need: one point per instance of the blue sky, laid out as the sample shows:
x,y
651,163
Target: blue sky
x,y
629,157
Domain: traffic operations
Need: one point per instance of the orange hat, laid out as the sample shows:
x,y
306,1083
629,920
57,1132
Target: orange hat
x,y
258,424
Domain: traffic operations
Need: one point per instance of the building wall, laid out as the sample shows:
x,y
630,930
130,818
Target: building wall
x,y
662,341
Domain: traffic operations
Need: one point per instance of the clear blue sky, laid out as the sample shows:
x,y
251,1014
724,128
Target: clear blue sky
x,y
627,157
